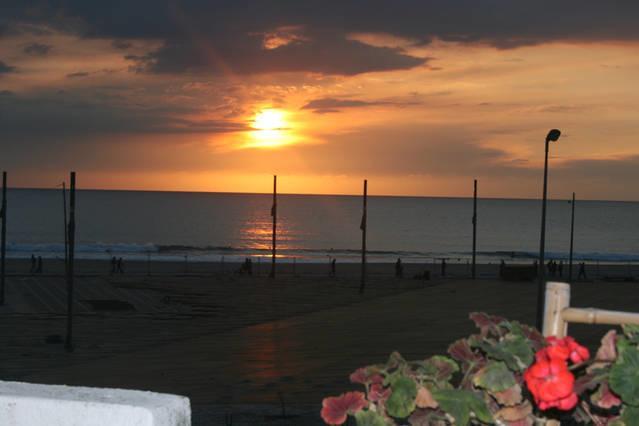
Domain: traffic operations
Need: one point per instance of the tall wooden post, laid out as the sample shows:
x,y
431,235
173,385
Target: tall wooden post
x,y
66,231
362,226
274,214
3,244
572,235
71,229
474,228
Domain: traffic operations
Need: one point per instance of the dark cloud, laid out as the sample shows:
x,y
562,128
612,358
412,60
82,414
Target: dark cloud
x,y
79,74
122,44
5,68
89,114
401,151
326,105
37,49
603,170
227,35
326,54
504,23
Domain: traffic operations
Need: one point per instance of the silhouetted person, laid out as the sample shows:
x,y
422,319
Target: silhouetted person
x,y
582,271
34,267
247,267
399,269
120,265
502,265
560,268
39,268
114,265
333,267
443,267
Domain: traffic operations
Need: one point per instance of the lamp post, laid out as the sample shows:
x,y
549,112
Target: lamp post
x,y
552,136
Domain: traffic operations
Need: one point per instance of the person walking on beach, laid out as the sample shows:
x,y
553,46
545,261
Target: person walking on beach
x,y
39,268
399,269
114,265
560,268
333,267
582,271
120,265
502,265
33,264
443,267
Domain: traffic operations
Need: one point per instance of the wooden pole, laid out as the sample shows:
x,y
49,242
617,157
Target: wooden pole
x,y
541,278
558,312
69,340
474,229
66,231
572,236
363,227
3,244
274,214
599,316
557,299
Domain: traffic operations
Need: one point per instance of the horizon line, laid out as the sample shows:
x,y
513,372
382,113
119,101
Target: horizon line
x,y
327,195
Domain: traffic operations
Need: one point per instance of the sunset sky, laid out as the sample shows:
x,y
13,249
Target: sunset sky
x,y
419,97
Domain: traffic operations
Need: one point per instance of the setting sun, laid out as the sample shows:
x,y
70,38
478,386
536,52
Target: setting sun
x,y
269,119
272,130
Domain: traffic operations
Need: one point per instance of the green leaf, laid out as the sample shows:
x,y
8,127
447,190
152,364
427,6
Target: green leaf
x,y
426,417
460,404
395,360
488,324
495,377
624,374
630,416
514,350
631,331
438,368
369,418
461,351
509,397
402,400
607,352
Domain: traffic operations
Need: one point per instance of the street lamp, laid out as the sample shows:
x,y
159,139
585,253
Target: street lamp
x,y
552,136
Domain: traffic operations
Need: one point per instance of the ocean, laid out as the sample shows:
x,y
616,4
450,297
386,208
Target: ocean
x,y
312,228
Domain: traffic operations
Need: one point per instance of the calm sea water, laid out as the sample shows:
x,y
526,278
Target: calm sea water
x,y
206,226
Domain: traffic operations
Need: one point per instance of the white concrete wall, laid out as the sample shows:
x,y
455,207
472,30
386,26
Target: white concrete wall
x,y
26,404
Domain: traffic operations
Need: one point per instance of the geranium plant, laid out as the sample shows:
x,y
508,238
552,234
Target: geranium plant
x,y
507,374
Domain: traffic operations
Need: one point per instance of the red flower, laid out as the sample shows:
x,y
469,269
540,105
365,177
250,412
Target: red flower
x,y
359,376
363,376
377,393
336,408
564,349
551,384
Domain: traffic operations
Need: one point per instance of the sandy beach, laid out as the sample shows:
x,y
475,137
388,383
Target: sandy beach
x,y
243,344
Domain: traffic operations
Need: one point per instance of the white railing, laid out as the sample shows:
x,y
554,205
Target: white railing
x,y
26,404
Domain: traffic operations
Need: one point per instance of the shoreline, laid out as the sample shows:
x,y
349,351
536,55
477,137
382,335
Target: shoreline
x,y
285,267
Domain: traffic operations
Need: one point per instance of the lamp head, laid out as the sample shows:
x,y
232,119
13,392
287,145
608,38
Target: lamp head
x,y
553,135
